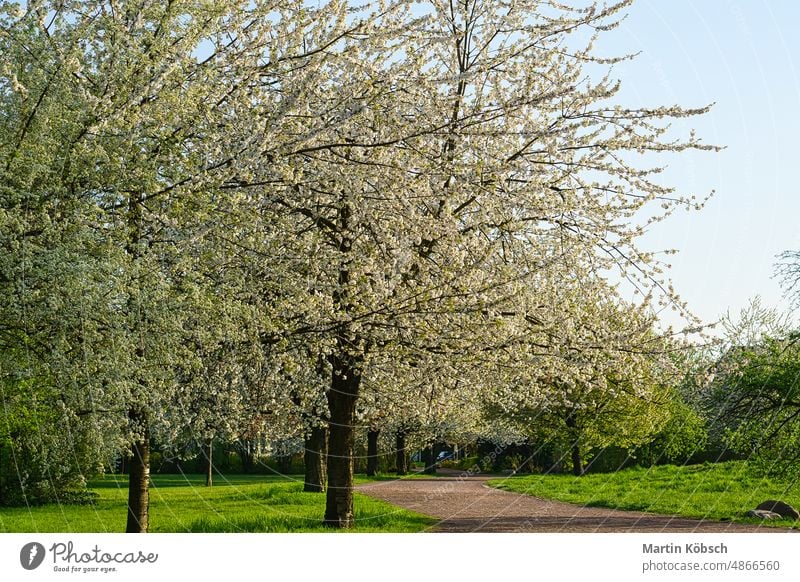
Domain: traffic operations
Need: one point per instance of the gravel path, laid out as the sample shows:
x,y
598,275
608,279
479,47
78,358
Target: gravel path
x,y
466,504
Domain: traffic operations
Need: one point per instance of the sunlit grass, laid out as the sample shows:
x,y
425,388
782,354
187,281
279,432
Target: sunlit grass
x,y
182,503
723,491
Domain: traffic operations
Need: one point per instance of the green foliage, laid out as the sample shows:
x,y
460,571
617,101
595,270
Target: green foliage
x,y
611,393
465,464
722,491
682,436
757,396
44,450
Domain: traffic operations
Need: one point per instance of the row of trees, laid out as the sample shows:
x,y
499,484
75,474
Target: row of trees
x,y
734,396
222,220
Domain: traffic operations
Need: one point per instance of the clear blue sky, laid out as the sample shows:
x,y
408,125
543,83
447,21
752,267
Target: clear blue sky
x,y
744,55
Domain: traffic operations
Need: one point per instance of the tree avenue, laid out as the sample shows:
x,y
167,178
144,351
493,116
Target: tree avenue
x,y
266,218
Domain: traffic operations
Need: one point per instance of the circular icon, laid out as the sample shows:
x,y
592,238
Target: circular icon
x,y
31,555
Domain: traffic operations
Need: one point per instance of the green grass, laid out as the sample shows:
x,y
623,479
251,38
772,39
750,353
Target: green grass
x,y
723,491
179,503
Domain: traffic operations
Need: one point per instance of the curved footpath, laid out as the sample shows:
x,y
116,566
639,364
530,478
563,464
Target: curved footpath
x,y
465,503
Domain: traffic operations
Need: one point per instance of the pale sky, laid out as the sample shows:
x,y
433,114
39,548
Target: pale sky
x,y
744,55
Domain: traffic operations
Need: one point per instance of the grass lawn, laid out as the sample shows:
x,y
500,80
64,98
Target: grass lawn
x,y
182,503
723,491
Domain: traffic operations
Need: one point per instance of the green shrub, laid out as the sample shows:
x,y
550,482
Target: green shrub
x,y
465,464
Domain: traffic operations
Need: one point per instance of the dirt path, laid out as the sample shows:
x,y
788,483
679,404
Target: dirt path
x,y
466,504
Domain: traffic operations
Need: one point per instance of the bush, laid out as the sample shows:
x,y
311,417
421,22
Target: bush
x,y
682,438
34,470
465,464
44,451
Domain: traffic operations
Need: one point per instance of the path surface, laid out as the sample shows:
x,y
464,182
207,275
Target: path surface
x,y
466,504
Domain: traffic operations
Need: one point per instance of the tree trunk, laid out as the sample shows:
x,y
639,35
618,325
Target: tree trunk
x,y
316,449
429,460
401,460
209,450
2,478
245,450
527,465
139,477
139,468
342,397
285,464
577,465
372,452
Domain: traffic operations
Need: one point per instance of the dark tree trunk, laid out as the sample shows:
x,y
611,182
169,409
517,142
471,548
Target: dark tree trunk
x,y
209,454
316,449
577,465
401,459
285,464
245,450
429,460
139,476
372,452
527,465
342,397
2,478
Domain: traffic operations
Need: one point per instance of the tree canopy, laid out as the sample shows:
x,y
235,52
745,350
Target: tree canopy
x,y
221,218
